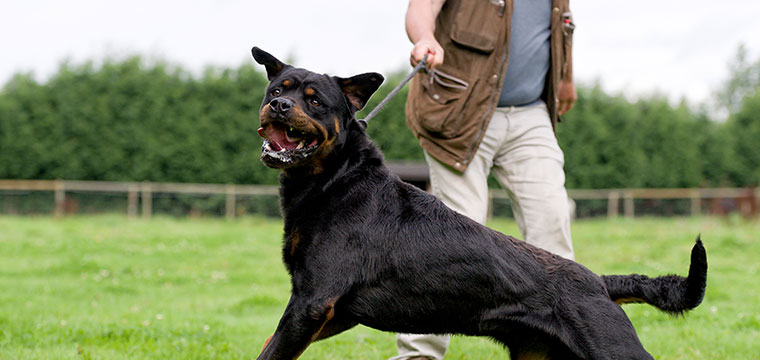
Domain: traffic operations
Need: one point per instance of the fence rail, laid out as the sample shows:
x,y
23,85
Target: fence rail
x,y
137,191
747,200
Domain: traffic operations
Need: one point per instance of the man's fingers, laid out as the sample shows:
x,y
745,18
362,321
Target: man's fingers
x,y
565,106
433,51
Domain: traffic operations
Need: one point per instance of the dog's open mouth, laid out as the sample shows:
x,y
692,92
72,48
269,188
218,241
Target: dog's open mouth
x,y
285,144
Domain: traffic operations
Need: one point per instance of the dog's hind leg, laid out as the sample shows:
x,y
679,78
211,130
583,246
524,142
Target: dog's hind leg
x,y
529,335
525,343
302,323
600,329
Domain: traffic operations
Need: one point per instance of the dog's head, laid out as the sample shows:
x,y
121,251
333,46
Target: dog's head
x,y
304,115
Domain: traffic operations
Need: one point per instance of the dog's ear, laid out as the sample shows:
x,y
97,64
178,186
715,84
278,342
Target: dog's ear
x,y
358,89
273,66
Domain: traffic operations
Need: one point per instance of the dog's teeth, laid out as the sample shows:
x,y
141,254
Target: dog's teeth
x,y
300,145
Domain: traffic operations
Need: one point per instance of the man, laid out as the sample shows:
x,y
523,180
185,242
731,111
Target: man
x,y
501,77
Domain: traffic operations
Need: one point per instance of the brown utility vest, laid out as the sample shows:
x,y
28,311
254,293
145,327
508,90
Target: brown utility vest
x,y
449,109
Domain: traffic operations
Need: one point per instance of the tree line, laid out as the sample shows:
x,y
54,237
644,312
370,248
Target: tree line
x,y
133,120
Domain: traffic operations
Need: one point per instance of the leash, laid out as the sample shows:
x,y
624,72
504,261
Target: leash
x,y
421,65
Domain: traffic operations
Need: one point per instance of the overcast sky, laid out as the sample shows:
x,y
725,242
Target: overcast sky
x,y
676,47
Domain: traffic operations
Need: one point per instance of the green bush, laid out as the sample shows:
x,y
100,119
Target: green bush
x,y
133,120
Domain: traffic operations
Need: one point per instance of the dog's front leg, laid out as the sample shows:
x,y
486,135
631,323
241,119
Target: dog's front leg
x,y
300,325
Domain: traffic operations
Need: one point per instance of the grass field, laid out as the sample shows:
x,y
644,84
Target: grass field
x,y
106,287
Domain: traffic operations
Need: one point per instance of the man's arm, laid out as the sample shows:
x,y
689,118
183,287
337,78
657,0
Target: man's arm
x,y
420,25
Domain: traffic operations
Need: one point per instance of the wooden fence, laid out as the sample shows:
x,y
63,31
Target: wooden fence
x,y
141,194
747,200
137,192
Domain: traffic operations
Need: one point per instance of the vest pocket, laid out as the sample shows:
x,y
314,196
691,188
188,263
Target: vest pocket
x,y
568,27
477,25
443,99
481,42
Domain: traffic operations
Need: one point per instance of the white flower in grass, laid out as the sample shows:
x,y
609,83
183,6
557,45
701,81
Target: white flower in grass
x,y
218,276
159,317
206,328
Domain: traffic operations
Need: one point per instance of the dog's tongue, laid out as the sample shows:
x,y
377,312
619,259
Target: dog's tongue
x,y
277,138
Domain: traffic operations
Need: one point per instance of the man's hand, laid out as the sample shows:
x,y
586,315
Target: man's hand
x,y
420,26
428,46
567,96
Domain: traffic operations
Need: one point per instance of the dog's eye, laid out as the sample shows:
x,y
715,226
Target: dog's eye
x,y
276,92
315,102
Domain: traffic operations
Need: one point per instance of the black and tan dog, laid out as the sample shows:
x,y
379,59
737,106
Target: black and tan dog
x,y
363,247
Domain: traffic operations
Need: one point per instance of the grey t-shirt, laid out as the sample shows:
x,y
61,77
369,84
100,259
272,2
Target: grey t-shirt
x,y
529,53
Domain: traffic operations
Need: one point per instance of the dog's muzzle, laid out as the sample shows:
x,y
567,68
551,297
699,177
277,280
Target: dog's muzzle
x,y
285,144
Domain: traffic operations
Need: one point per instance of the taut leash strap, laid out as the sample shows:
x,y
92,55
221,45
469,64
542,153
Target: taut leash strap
x,y
421,65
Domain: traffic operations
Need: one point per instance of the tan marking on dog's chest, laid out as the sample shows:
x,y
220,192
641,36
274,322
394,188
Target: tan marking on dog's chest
x,y
529,355
294,240
630,300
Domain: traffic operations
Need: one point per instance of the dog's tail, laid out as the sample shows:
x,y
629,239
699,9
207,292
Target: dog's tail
x,y
671,293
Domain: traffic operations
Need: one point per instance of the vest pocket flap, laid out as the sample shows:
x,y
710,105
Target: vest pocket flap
x,y
481,42
442,87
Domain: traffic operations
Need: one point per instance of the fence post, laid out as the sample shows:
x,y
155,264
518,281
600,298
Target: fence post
x,y
230,204
613,198
132,201
60,197
628,196
147,200
696,202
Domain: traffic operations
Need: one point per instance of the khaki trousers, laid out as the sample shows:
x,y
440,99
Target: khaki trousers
x,y
520,149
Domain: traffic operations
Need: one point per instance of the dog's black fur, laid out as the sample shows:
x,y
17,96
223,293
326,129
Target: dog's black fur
x,y
363,247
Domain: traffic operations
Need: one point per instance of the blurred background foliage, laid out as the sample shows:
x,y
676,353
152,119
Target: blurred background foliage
x,y
135,120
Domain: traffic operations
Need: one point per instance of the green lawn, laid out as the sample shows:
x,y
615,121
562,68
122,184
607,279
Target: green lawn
x,y
105,287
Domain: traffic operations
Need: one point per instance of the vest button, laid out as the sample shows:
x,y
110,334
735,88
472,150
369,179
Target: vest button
x,y
436,97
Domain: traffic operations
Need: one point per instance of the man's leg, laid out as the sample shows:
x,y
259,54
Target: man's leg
x,y
466,193
530,166
412,346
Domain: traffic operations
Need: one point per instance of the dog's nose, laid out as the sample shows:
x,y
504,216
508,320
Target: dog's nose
x,y
281,106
